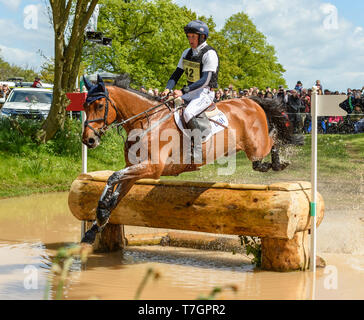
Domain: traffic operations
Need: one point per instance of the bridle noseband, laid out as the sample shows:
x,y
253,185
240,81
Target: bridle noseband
x,y
104,119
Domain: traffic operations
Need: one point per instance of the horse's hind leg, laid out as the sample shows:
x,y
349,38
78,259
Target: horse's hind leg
x,y
277,165
111,196
261,166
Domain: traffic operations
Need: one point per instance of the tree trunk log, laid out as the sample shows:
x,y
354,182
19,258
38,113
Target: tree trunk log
x,y
112,238
275,211
286,255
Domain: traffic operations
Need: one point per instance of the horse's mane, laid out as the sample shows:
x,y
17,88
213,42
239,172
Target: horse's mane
x,y
123,81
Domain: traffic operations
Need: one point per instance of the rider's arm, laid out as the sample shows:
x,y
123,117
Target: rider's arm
x,y
177,74
203,82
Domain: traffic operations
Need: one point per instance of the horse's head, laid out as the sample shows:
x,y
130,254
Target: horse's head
x,y
98,112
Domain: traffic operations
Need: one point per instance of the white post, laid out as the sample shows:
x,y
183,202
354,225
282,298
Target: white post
x,y
84,165
314,106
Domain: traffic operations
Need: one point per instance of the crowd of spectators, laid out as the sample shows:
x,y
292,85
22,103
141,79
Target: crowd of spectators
x,y
297,103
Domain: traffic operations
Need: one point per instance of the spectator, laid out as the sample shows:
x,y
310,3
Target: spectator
x,y
217,96
5,91
231,90
226,94
294,108
268,95
156,92
142,89
245,92
37,83
319,87
282,95
298,87
358,119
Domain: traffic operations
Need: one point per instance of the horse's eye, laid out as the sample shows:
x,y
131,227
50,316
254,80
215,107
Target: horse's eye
x,y
100,106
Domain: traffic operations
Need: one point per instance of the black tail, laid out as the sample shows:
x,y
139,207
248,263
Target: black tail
x,y
277,119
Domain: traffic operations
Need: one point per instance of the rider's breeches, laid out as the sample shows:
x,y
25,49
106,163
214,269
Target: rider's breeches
x,y
198,100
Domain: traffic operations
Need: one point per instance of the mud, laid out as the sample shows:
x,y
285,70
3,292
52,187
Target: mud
x,y
33,228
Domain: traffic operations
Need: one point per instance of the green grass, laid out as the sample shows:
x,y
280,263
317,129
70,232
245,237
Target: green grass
x,y
27,168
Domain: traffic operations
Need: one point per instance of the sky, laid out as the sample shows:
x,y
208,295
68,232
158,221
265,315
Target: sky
x,y
314,39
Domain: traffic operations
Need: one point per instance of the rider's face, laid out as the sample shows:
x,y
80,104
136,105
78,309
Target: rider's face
x,y
193,40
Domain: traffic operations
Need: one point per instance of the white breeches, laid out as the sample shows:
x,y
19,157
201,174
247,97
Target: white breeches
x,y
198,100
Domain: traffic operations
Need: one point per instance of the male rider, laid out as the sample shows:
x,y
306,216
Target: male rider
x,y
201,65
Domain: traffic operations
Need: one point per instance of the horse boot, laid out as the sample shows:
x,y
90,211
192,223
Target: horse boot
x,y
196,144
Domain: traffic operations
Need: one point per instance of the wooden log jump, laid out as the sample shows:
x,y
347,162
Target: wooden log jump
x,y
278,213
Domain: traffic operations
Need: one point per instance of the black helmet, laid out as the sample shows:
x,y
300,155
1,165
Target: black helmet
x,y
199,27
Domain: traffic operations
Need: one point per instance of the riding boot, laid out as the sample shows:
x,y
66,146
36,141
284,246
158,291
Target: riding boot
x,y
197,140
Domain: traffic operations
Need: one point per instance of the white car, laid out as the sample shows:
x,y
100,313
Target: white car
x,y
28,103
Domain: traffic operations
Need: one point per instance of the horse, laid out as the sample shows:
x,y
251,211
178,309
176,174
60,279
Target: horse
x,y
259,127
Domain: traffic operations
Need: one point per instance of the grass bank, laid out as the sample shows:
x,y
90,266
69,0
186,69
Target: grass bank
x,y
27,168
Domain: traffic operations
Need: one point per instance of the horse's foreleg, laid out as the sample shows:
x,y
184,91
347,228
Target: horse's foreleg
x,y
117,186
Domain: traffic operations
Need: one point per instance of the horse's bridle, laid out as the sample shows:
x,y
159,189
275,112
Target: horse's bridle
x,y
103,129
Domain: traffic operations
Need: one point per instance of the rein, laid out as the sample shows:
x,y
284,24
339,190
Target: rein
x,y
146,113
115,123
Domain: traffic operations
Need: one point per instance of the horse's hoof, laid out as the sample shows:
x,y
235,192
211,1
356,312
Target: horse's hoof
x,y
280,167
262,167
89,237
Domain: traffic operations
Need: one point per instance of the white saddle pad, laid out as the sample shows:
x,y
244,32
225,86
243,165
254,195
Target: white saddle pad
x,y
218,116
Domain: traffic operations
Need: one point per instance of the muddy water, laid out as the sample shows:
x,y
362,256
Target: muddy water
x,y
33,228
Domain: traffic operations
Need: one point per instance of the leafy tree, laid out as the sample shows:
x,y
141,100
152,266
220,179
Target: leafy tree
x,y
247,59
69,20
148,39
8,70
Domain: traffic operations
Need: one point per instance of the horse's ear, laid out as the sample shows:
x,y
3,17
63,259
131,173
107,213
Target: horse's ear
x,y
88,84
100,83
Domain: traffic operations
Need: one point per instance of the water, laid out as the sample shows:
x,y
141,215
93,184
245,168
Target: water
x,y
33,228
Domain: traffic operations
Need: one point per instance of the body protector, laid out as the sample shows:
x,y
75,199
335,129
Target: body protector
x,y
193,67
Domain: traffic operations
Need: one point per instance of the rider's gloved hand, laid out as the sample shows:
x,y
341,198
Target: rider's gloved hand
x,y
165,93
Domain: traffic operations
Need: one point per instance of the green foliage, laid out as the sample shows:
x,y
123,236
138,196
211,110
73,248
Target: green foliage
x,y
148,40
247,60
8,70
149,274
66,141
16,135
60,268
253,246
218,290
27,167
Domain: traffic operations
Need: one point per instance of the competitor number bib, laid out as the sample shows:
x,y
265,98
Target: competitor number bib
x,y
192,70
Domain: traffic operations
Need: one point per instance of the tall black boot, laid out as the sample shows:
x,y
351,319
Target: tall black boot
x,y
197,140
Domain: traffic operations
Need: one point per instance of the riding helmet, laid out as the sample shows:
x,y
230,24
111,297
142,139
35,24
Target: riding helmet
x,y
199,27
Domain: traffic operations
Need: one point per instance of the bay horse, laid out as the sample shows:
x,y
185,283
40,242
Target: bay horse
x,y
259,128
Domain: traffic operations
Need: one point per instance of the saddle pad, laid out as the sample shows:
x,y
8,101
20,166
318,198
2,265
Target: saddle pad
x,y
215,128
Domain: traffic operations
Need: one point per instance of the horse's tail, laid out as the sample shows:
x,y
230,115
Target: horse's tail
x,y
277,119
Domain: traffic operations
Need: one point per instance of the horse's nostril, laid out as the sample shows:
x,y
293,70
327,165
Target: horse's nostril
x,y
91,141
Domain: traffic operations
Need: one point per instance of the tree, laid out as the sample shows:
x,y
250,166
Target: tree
x,y
8,70
148,39
247,60
69,20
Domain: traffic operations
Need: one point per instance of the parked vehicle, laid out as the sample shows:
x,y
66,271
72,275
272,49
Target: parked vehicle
x,y
28,103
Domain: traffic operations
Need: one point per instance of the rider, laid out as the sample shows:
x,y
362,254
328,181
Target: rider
x,y
201,65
